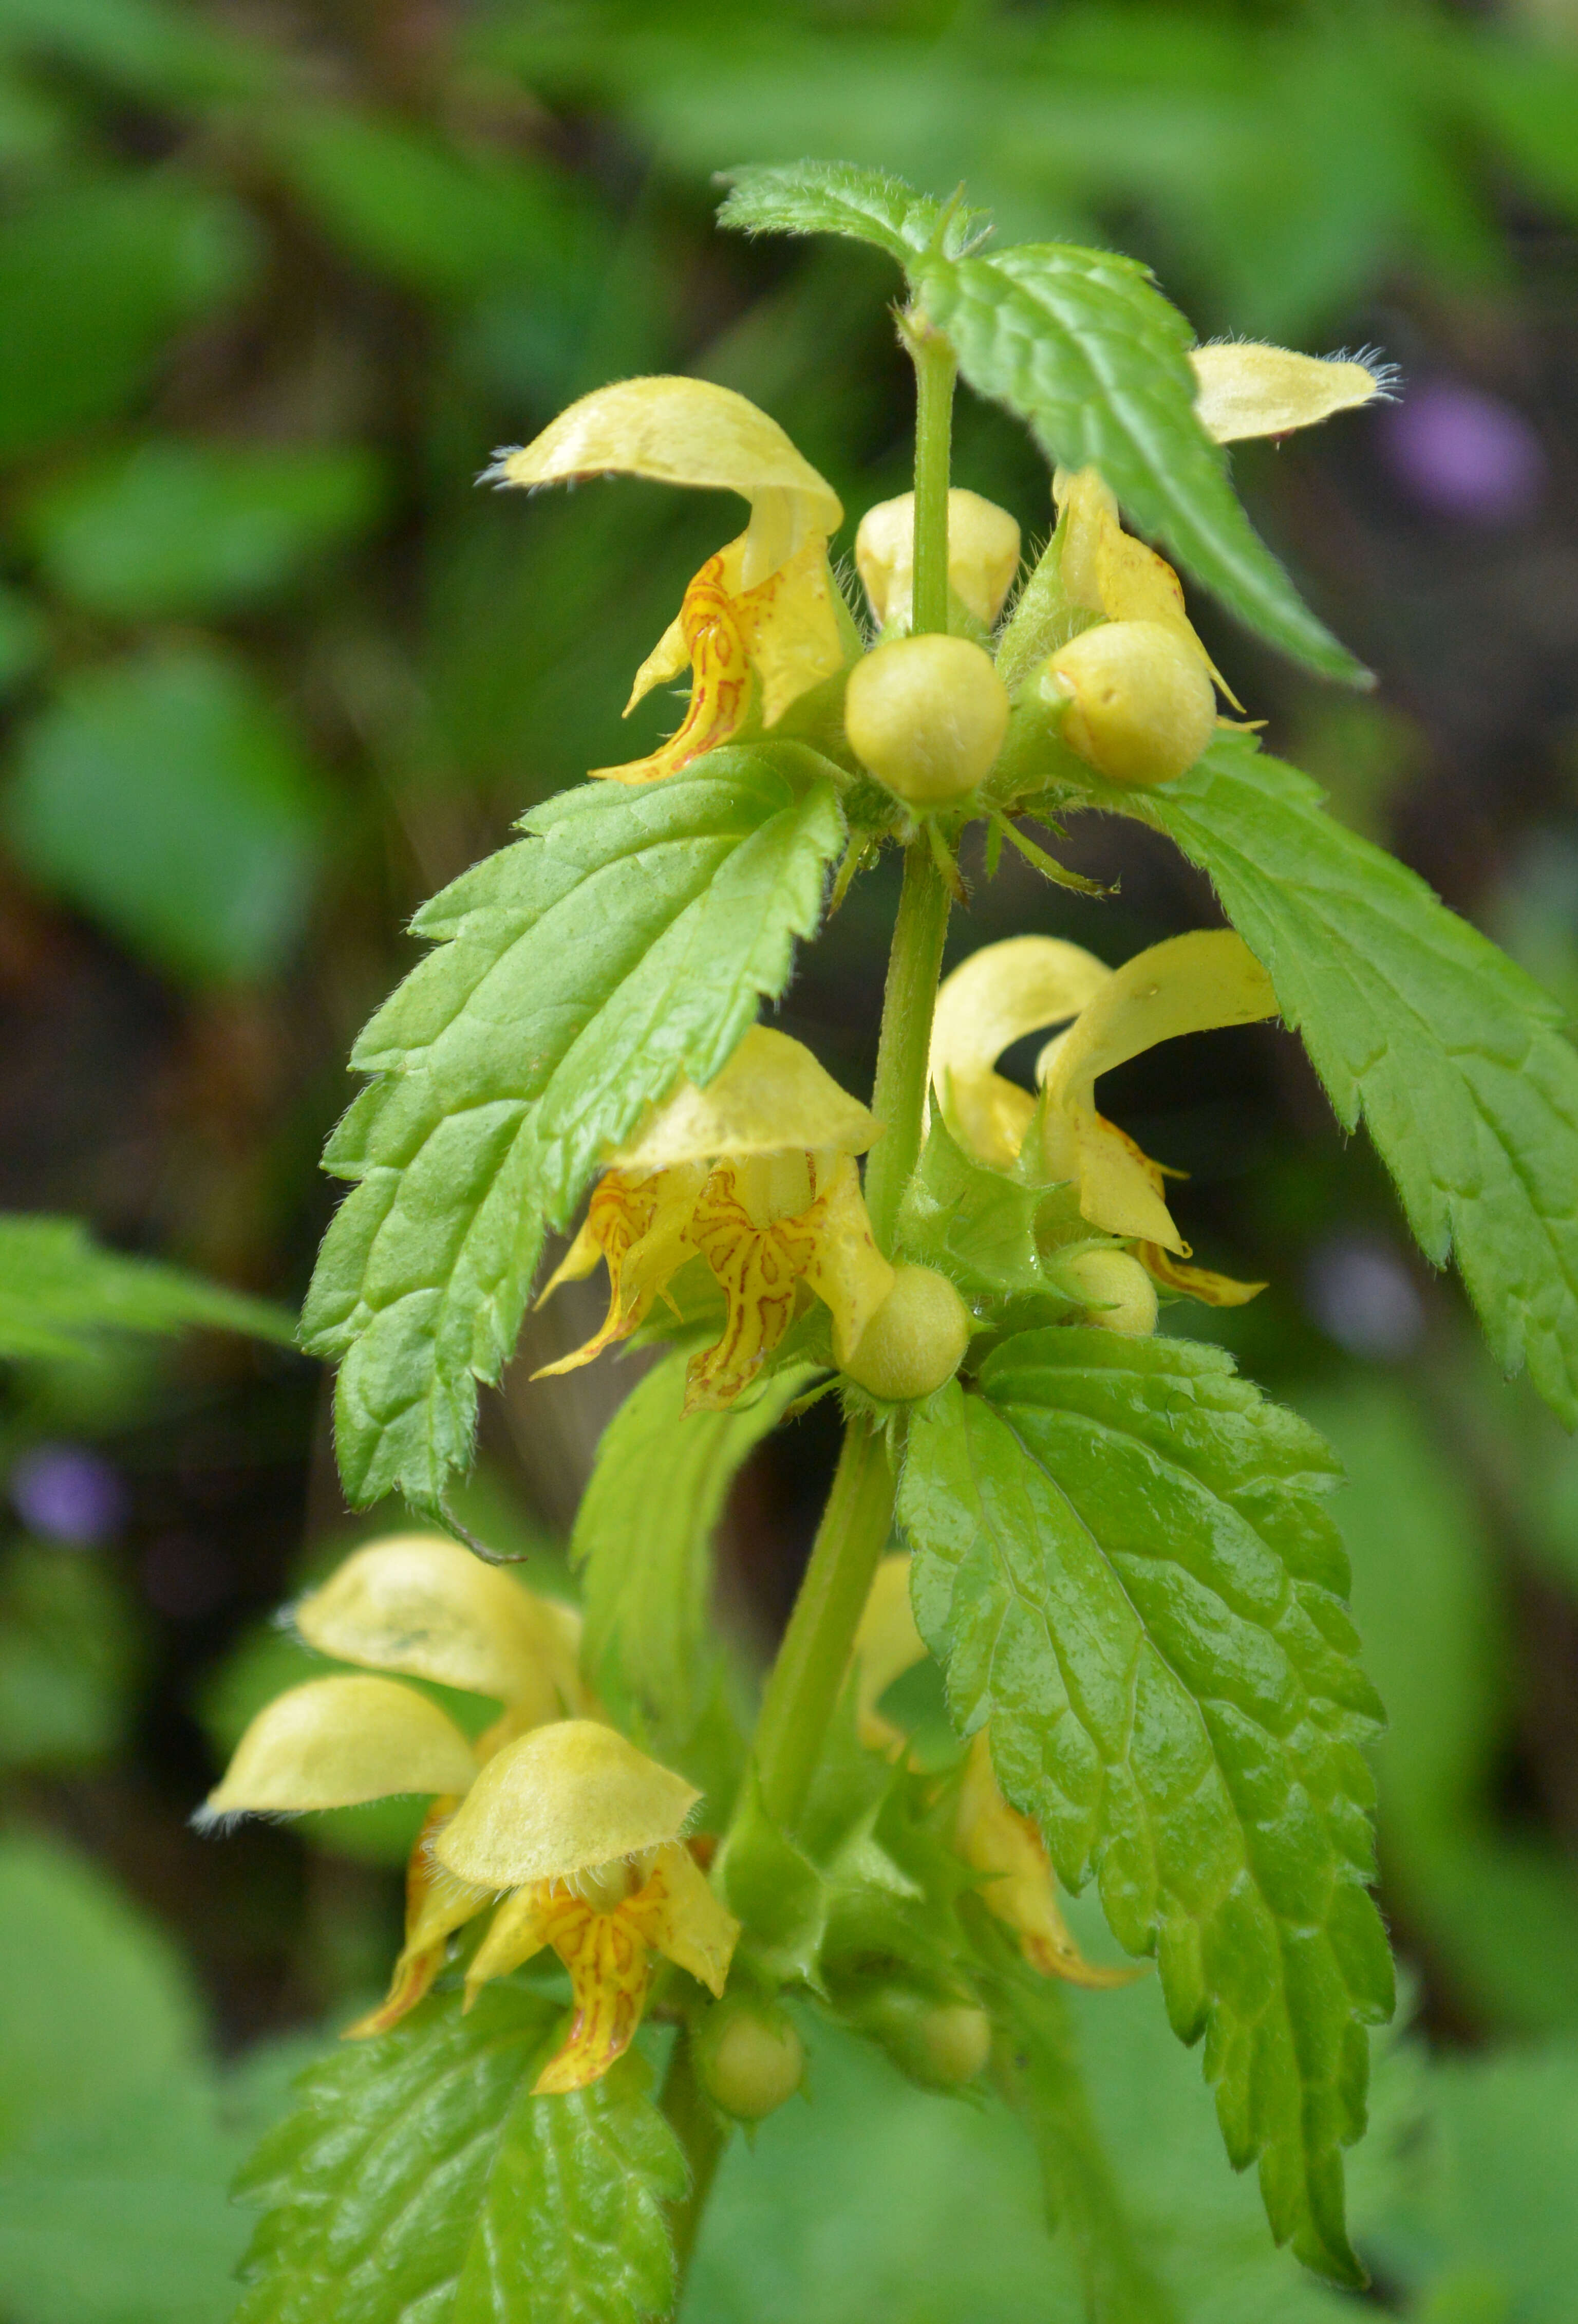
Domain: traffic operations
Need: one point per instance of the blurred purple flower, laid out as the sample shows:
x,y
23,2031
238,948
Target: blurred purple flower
x,y
1461,453
64,1492
1361,1294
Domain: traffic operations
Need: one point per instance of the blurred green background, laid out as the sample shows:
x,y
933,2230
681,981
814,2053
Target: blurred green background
x,y
275,280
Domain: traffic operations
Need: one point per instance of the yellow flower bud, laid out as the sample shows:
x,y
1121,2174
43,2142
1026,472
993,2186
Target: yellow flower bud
x,y
558,1801
915,1340
1121,1295
1141,709
928,716
983,557
749,2058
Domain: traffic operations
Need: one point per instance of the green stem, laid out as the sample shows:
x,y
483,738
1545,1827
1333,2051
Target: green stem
x,y
935,371
695,2125
815,1653
898,1098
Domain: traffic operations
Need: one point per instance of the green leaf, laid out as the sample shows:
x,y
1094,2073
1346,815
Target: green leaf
x,y
644,1538
572,2229
93,279
1417,1023
156,52
626,941
165,794
59,1294
443,221
841,197
1083,345
114,2146
1121,1560
178,527
419,2177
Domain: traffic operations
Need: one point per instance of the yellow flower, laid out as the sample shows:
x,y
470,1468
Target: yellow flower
x,y
420,1605
998,1843
585,1830
756,1175
1188,984
766,605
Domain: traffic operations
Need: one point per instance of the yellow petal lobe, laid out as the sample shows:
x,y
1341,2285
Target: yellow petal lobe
x,y
642,1226
1264,391
522,1925
886,1645
1017,1888
1195,1282
687,431
677,1914
422,1604
436,1906
989,1001
610,1969
336,1742
771,1095
557,1801
717,648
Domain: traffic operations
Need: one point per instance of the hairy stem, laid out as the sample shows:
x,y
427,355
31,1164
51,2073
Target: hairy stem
x,y
935,370
898,1099
695,2125
815,1653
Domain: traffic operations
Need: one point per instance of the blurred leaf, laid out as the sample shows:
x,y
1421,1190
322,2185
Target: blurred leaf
x,y
1414,1020
177,528
441,221
59,1294
1527,95
1121,1562
385,2193
67,1655
94,279
626,940
24,638
165,796
643,1540
158,51
114,2150
1499,1909
1489,2231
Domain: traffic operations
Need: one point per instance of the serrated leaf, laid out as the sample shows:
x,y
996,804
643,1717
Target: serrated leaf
x,y
60,1294
1082,345
841,197
626,940
572,2229
419,2179
643,1540
1120,1559
1416,1024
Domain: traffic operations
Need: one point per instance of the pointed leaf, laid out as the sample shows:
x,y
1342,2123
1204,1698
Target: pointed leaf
x,y
1082,345
626,940
1416,1023
59,1294
1121,1560
841,197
